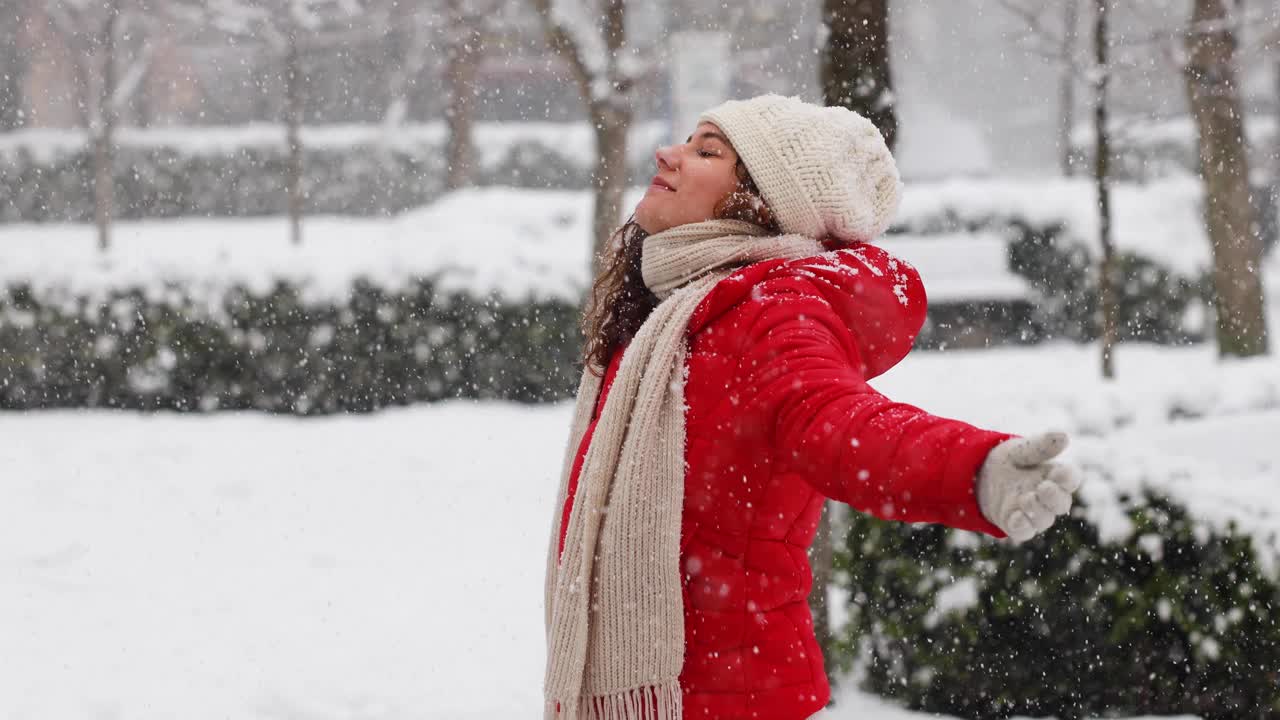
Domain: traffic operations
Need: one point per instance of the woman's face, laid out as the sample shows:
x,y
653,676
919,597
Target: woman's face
x,y
692,178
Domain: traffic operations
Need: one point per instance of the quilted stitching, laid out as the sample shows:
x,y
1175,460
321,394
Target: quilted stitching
x,y
760,466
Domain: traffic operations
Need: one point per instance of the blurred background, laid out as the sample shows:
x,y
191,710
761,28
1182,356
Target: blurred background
x,y
289,299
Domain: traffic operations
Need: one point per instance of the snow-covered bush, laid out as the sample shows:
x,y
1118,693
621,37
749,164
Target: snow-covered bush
x,y
286,348
1155,304
281,347
1132,605
279,352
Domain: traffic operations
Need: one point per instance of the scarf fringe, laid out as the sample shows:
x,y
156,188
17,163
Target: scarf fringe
x,y
652,702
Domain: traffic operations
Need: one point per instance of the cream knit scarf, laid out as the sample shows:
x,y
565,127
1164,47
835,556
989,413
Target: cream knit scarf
x,y
614,611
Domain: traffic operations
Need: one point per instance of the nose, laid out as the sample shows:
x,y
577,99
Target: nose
x,y
666,156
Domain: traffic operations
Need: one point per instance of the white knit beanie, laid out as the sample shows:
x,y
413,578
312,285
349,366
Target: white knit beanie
x,y
824,171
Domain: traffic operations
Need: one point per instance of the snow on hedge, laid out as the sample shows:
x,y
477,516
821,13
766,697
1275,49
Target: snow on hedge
x,y
961,266
1179,421
516,243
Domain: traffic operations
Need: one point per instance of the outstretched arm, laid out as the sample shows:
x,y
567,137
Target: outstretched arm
x,y
889,459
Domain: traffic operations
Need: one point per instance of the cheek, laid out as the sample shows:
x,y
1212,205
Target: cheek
x,y
712,187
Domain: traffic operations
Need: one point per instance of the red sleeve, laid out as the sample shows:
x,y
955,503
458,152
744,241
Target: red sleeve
x,y
887,459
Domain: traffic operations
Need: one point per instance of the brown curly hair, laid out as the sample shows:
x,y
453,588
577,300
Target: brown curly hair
x,y
620,301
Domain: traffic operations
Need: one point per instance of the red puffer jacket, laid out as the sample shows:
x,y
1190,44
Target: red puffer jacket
x,y
780,416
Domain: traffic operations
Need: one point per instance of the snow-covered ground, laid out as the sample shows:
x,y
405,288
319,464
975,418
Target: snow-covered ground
x,y
389,566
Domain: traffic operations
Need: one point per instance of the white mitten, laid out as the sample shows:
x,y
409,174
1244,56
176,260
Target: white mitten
x,y
1020,491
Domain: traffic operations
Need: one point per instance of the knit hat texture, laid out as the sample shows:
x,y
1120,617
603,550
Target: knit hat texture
x,y
826,172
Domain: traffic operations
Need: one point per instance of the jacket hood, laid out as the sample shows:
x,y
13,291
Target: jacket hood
x,y
877,297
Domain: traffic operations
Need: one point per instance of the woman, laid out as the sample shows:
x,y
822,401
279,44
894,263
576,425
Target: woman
x,y
724,397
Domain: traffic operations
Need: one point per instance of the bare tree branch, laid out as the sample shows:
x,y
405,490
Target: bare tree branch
x,y
568,40
1046,41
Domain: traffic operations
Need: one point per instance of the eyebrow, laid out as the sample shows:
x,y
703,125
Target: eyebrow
x,y
711,134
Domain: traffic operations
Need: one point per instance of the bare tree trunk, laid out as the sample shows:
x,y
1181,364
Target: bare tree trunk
x,y
1102,157
854,74
1067,87
85,79
104,132
855,62
612,119
1214,97
1275,137
1275,162
463,59
293,134
609,110
610,178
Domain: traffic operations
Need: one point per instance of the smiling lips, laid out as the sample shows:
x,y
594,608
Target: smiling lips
x,y
660,183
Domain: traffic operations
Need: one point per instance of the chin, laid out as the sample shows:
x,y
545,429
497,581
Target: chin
x,y
650,217
653,228
647,223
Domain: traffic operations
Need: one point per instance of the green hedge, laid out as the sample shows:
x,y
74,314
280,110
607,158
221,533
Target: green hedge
x,y
1066,624
158,347
276,353
1153,301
